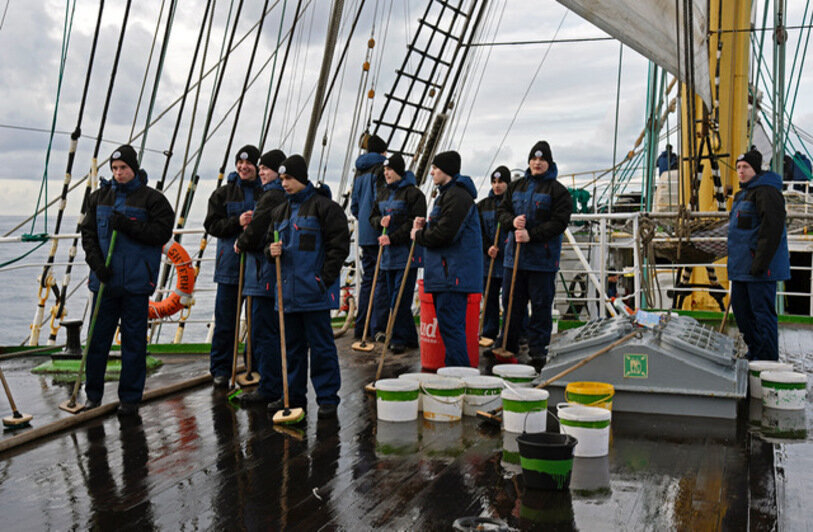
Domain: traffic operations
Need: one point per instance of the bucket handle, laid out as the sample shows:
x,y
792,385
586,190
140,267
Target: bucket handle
x,y
441,399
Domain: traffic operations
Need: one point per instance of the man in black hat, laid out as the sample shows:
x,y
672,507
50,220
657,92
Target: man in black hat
x,y
229,213
260,283
313,243
487,207
757,255
142,218
369,176
537,207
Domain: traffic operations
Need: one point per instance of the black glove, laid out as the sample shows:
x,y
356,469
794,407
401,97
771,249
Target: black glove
x,y
120,222
105,274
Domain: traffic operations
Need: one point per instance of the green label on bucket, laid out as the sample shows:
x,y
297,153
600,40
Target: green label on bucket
x,y
585,424
385,395
784,385
636,366
510,405
483,391
558,469
439,392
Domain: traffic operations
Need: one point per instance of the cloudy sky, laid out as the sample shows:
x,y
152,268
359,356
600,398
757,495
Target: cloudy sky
x,y
571,102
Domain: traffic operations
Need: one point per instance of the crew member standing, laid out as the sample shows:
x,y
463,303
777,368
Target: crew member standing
x,y
369,176
143,219
487,208
757,255
314,241
453,267
538,209
398,204
229,212
261,284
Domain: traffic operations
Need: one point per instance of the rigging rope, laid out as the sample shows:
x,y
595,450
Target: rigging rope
x,y
271,77
147,68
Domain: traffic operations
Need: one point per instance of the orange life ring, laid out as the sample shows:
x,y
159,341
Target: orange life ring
x,y
185,284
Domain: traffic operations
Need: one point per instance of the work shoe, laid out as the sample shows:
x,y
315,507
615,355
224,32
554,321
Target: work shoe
x,y
127,409
380,337
92,404
253,398
327,411
397,349
538,363
220,382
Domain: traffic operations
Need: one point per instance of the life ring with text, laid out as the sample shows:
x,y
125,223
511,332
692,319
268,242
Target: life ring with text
x,y
184,284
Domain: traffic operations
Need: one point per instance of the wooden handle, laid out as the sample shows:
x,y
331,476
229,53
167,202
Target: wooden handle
x,y
488,281
283,353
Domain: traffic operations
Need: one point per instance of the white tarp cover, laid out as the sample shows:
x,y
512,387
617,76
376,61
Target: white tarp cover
x,y
649,27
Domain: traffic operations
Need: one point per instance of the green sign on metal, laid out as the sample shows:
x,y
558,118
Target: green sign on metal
x,y
636,366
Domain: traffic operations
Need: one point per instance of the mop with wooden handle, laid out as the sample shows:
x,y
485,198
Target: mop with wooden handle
x,y
488,342
503,352
364,345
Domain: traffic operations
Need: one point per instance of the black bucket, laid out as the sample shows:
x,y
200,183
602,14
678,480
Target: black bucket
x,y
547,459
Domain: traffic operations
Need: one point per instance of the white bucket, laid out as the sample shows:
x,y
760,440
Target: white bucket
x,y
785,390
419,378
510,460
482,393
755,367
458,372
518,375
443,399
590,425
524,410
396,399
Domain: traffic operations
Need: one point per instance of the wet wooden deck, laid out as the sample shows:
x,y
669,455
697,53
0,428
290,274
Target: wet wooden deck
x,y
194,461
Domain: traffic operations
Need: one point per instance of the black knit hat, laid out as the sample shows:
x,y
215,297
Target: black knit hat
x,y
396,163
753,158
272,159
296,167
502,173
448,162
541,149
248,153
376,144
126,154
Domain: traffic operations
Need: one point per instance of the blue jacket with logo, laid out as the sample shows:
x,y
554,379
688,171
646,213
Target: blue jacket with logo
x,y
403,202
369,175
452,240
757,237
488,222
222,221
261,278
315,242
137,253
547,205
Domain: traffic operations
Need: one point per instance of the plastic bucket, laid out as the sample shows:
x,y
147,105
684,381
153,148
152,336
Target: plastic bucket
x,y
524,410
586,393
397,399
546,459
419,378
783,425
395,439
443,399
785,390
588,424
482,393
458,372
433,352
510,453
755,367
517,375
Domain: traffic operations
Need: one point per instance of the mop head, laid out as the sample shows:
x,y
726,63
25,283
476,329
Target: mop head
x,y
370,388
246,380
486,342
234,395
289,416
363,346
17,421
74,408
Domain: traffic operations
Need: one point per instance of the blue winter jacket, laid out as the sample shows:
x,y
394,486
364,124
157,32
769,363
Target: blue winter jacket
x,y
315,242
488,222
222,221
369,169
261,278
403,202
547,205
452,240
757,237
137,253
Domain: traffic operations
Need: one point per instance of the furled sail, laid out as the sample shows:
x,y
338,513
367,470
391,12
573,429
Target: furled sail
x,y
651,28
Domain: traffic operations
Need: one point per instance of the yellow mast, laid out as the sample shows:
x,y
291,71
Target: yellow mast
x,y
729,137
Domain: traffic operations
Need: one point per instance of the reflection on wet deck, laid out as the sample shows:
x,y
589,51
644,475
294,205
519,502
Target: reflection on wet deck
x,y
194,461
